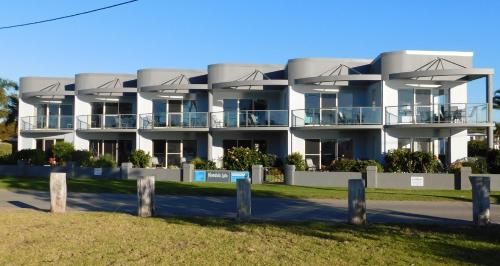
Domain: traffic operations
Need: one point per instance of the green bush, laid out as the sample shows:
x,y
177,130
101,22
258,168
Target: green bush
x,y
82,158
105,160
200,164
297,159
398,161
478,166
63,151
140,159
493,159
8,159
402,160
241,158
477,148
269,160
349,165
31,156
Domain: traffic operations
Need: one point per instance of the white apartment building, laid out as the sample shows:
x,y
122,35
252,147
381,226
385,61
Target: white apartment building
x,y
324,108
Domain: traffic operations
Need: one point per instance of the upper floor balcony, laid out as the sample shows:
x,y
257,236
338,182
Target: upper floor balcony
x,y
179,121
247,119
47,123
438,115
107,122
338,117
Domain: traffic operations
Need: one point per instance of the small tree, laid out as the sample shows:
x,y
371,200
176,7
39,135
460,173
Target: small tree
x,y
63,151
297,159
241,158
140,158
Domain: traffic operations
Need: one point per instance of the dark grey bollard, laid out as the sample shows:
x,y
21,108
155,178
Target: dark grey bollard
x,y
480,199
257,174
243,199
146,196
290,174
58,192
356,202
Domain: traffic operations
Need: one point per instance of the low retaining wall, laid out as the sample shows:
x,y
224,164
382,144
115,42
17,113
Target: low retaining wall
x,y
160,174
404,181
324,179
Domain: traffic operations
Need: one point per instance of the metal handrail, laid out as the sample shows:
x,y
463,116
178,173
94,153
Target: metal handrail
x,y
173,120
43,122
355,115
437,113
249,118
107,121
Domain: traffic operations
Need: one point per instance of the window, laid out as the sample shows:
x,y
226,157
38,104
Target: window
x,y
173,152
46,145
404,144
327,102
119,150
323,152
54,115
424,145
313,150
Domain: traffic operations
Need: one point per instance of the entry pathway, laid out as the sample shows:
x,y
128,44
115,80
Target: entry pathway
x,y
447,212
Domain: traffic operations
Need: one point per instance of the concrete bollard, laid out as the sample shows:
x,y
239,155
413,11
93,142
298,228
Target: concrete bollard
x,y
243,200
146,196
356,202
187,172
257,174
465,173
371,176
58,192
480,200
290,174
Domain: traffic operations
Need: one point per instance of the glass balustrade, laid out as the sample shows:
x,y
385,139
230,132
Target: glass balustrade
x,y
250,118
173,120
337,116
437,113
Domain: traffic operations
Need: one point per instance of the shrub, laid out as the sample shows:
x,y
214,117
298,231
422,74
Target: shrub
x,y
8,159
198,163
241,158
398,161
493,159
402,160
82,157
31,156
349,165
210,165
269,160
63,151
477,148
140,158
478,166
105,160
297,159
423,162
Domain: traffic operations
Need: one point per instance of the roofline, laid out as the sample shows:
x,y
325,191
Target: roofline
x,y
426,52
360,60
172,70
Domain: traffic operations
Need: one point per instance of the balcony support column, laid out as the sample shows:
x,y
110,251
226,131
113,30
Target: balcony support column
x,y
489,100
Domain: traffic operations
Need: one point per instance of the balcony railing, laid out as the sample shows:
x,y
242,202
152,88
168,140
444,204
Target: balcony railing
x,y
250,118
337,116
437,113
174,120
47,122
122,121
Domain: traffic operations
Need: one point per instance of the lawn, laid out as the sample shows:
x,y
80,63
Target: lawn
x,y
92,238
218,189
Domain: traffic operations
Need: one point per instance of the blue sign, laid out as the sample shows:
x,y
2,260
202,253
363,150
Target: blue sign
x,y
200,176
239,175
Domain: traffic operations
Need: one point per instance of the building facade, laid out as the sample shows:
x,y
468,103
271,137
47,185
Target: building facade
x,y
324,108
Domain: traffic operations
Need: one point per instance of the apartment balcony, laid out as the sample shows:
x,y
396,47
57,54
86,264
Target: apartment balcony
x,y
188,121
438,115
109,123
51,123
250,120
338,118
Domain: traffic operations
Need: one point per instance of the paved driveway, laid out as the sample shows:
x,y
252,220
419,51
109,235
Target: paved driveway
x,y
262,208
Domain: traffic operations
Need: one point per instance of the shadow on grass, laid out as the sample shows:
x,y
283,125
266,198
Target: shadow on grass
x,y
448,242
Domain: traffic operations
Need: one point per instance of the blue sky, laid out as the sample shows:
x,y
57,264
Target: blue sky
x,y
193,34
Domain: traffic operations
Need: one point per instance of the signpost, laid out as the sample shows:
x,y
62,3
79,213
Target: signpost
x,y
220,176
417,181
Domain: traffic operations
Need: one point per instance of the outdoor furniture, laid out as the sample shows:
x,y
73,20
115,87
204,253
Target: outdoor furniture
x,y
155,162
310,165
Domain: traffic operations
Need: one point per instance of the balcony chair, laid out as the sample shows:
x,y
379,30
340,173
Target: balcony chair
x,y
342,119
253,119
310,165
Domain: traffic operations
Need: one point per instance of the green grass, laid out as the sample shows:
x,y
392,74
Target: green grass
x,y
93,238
5,148
218,189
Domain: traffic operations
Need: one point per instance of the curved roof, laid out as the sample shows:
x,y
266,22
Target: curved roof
x,y
466,73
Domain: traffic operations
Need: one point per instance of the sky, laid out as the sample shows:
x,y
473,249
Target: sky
x,y
193,34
